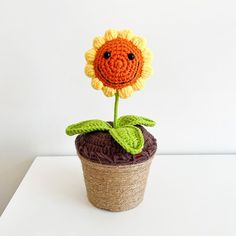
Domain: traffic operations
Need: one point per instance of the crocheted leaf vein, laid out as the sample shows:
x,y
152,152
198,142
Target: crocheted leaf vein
x,y
129,137
134,120
87,126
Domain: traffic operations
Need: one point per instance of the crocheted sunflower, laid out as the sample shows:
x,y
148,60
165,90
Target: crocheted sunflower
x,y
119,62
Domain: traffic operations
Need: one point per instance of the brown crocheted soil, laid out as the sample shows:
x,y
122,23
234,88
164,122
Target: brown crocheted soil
x,y
100,147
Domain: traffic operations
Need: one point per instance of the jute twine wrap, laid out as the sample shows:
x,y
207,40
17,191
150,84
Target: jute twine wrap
x,y
115,188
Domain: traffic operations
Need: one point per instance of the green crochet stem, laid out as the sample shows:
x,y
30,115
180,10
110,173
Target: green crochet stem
x,y
116,110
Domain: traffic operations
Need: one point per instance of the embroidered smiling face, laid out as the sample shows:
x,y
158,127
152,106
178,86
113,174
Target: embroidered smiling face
x,y
119,62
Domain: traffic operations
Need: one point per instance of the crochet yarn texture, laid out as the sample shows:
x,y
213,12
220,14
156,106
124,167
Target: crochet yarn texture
x,y
126,134
100,147
119,62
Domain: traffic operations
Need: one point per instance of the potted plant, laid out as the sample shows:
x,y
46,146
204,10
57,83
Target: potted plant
x,y
116,155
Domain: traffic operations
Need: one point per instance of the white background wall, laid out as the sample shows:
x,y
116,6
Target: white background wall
x,y
43,87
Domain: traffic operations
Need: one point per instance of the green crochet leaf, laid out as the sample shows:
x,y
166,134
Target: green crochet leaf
x,y
129,137
134,120
87,126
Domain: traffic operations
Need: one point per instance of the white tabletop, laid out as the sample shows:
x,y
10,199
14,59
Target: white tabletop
x,y
185,196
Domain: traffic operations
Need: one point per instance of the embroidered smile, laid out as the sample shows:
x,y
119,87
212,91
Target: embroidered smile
x,y
122,82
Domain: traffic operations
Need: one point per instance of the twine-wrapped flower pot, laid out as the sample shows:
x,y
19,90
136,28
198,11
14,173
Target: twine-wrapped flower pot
x,y
115,179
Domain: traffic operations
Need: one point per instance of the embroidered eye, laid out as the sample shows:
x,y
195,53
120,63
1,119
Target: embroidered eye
x,y
131,56
106,55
